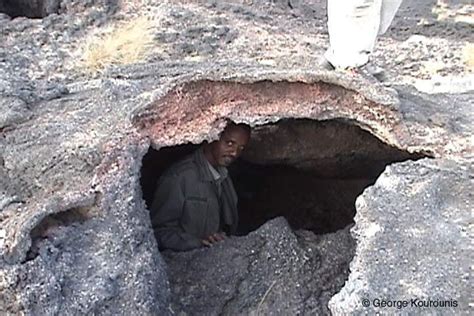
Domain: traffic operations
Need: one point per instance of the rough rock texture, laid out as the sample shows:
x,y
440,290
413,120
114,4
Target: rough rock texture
x,y
70,261
310,172
270,271
329,149
415,248
75,237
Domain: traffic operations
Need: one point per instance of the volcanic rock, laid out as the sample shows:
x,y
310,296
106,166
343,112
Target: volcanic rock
x,y
75,233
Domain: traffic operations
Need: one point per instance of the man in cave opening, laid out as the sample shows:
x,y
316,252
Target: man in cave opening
x,y
195,203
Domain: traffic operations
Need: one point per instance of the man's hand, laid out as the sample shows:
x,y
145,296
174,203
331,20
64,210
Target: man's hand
x,y
214,238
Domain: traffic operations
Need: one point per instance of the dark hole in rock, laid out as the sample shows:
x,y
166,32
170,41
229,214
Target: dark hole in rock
x,y
29,8
307,171
51,226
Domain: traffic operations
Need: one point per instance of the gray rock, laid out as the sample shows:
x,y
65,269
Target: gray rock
x,y
29,8
12,111
75,235
72,263
412,232
271,271
4,18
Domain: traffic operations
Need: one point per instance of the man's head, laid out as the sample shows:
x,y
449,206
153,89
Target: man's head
x,y
230,145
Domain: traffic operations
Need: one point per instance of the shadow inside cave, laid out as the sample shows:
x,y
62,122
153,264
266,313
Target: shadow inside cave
x,y
310,172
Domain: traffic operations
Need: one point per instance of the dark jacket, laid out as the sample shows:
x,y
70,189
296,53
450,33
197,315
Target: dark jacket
x,y
187,208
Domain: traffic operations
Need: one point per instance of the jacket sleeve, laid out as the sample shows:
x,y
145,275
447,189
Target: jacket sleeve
x,y
166,212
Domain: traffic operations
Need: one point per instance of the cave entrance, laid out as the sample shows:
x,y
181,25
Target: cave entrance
x,y
29,8
310,172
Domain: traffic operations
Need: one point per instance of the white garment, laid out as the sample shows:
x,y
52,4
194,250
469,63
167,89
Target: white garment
x,y
353,27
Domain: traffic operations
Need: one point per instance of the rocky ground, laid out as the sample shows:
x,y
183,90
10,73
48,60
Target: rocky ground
x,y
270,271
75,237
427,261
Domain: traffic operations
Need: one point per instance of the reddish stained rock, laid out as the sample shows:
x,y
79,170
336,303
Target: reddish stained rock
x,y
196,105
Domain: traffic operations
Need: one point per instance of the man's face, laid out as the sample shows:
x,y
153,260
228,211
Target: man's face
x,y
230,146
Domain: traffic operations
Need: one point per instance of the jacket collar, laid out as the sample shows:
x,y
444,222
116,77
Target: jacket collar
x,y
203,169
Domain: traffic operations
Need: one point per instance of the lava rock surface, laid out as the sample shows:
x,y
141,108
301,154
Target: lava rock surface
x,y
75,234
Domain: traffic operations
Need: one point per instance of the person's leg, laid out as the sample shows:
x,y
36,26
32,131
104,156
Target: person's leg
x,y
389,9
353,26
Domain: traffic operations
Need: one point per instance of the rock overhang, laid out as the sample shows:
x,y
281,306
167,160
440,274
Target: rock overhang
x,y
440,124
194,109
190,106
162,122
